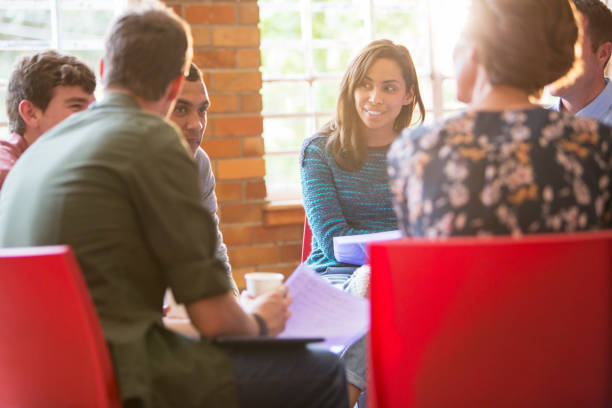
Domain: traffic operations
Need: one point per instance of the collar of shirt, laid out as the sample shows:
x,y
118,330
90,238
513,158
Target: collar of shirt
x,y
115,98
601,105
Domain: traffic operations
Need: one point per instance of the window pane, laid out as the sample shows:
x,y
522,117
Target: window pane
x,y
27,24
8,59
284,134
326,93
84,25
449,95
344,25
332,60
3,115
425,87
396,26
447,23
283,177
412,35
280,25
282,61
284,97
322,120
272,3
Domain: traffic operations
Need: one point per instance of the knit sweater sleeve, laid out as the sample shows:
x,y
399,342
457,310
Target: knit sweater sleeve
x,y
320,196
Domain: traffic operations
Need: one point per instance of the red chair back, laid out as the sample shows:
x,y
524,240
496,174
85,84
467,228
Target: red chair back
x,y
499,322
306,241
52,352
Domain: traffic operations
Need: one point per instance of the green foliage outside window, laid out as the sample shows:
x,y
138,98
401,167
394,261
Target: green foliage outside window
x,y
332,60
284,97
288,132
280,25
337,25
20,24
326,92
85,24
279,62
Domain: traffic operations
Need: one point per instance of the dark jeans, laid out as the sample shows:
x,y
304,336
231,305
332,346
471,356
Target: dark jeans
x,y
338,275
363,400
288,376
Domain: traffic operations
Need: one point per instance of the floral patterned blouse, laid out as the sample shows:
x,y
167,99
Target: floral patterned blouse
x,y
503,173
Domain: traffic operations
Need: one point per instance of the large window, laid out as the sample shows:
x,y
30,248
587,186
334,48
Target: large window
x,y
306,46
75,27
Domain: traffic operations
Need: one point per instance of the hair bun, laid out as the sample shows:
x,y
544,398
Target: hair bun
x,y
524,43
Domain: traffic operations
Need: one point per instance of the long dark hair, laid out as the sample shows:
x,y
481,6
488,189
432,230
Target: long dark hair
x,y
346,143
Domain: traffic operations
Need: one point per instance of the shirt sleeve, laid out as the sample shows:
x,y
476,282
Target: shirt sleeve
x,y
321,201
8,157
182,234
209,200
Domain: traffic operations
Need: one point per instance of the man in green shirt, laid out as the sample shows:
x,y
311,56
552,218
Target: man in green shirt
x,y
117,184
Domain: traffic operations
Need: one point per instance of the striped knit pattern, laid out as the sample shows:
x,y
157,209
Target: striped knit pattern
x,y
340,202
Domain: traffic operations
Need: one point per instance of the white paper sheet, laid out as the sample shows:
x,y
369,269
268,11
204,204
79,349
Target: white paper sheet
x,y
353,249
320,310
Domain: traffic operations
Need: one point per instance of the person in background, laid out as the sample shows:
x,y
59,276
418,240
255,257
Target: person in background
x,y
343,167
590,94
506,166
44,89
190,115
118,184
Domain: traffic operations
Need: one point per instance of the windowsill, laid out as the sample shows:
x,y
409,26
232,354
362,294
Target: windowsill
x,y
283,213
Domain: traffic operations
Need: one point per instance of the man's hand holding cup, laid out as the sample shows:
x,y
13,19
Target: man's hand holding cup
x,y
267,298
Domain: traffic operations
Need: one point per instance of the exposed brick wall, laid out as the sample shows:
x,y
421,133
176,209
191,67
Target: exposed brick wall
x,y
226,47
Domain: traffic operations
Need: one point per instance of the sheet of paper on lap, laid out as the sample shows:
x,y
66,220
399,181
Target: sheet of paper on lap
x,y
320,310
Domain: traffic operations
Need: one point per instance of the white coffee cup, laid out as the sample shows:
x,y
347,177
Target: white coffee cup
x,y
258,283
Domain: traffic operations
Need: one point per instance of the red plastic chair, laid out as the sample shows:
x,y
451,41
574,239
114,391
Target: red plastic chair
x,y
492,323
306,241
52,352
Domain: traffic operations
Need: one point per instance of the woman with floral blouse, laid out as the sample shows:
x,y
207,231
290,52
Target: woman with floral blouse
x,y
506,166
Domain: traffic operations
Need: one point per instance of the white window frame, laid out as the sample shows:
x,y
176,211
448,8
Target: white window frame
x,y
56,41
306,8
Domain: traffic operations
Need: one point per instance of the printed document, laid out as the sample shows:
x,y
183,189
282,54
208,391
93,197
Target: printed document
x,y
320,310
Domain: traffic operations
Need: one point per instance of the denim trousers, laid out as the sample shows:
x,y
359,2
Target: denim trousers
x,y
355,355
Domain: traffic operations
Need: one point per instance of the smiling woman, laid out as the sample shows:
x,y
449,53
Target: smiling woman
x,y
379,100
378,94
343,167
